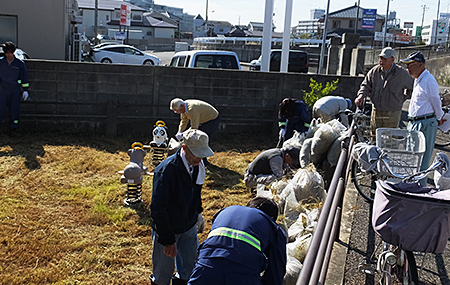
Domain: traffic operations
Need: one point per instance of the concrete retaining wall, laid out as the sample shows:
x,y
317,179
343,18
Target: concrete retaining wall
x,y
125,99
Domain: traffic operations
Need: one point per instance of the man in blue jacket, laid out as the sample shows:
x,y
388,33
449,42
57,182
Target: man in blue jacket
x,y
176,209
13,79
293,115
244,242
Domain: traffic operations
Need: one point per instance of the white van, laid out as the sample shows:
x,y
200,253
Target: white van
x,y
206,59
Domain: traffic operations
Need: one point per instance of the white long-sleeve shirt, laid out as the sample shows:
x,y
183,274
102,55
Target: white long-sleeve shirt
x,y
425,97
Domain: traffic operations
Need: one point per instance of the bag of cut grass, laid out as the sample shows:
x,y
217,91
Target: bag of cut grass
x,y
307,183
299,247
293,268
261,191
323,138
297,228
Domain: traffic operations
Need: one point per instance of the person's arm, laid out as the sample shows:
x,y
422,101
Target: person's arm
x,y
162,185
435,101
365,89
408,85
24,78
276,254
184,120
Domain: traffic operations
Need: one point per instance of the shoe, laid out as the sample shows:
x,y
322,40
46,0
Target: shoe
x,y
178,281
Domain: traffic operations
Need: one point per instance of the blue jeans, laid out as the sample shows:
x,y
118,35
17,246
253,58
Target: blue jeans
x,y
164,266
429,129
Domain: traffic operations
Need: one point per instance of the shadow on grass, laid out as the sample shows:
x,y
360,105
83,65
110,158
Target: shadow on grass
x,y
223,178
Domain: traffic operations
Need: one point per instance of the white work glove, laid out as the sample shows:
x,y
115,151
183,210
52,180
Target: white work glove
x,y
200,223
282,133
25,95
179,136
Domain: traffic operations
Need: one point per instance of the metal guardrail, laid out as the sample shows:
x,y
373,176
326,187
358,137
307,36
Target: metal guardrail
x,y
315,265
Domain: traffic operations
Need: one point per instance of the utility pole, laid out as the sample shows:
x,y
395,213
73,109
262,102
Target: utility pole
x,y
437,23
424,8
96,22
206,20
385,24
357,17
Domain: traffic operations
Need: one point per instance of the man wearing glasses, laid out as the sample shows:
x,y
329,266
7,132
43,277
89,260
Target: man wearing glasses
x,y
425,109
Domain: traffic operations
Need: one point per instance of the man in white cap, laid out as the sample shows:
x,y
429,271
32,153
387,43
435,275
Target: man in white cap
x,y
176,209
199,114
329,107
388,86
425,109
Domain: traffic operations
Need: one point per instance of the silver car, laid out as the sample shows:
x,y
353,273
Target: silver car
x,y
123,54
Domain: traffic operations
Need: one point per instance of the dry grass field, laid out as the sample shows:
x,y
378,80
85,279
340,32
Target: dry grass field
x,y
62,219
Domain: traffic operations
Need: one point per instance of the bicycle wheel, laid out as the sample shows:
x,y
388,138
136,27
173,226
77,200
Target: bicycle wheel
x,y
363,182
442,139
407,274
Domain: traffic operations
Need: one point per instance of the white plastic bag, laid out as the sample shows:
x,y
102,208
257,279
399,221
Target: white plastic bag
x,y
293,268
308,183
323,138
299,247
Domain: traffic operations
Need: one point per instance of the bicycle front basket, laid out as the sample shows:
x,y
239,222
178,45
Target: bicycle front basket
x,y
412,221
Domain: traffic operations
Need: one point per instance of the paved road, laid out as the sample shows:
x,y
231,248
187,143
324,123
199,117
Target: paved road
x,y
358,242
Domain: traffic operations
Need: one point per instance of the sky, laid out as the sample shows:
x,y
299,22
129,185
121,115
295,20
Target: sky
x,y
244,11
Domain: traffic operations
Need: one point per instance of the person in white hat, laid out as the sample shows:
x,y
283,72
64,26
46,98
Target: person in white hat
x,y
176,209
388,85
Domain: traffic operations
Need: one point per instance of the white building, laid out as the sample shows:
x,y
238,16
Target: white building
x,y
431,36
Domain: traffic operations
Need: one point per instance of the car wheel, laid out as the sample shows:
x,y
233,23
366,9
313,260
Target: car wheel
x,y
106,60
148,62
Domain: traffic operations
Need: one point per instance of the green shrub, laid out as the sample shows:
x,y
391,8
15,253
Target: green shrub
x,y
317,92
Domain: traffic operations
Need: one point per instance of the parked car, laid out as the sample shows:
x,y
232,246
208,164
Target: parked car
x,y
206,59
298,61
20,54
123,54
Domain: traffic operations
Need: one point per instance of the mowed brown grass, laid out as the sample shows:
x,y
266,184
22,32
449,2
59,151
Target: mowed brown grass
x,y
62,219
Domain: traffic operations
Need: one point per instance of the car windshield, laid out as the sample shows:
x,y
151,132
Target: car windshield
x,y
216,61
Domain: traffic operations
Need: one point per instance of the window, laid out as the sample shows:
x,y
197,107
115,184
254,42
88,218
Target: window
x,y
115,49
136,17
149,33
336,24
181,61
107,17
8,26
351,24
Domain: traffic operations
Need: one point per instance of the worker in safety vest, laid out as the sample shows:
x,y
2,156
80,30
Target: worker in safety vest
x,y
245,246
13,86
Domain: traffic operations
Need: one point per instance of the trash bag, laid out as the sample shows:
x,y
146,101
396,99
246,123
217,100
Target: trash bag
x,y
442,174
291,207
261,191
305,153
308,183
323,138
278,186
293,268
334,152
297,228
295,141
299,247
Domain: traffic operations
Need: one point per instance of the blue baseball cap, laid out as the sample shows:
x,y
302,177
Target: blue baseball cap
x,y
415,56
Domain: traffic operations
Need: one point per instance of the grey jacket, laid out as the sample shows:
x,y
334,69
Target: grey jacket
x,y
387,91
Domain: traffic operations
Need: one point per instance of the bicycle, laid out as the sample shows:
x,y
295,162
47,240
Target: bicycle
x,y
390,222
401,152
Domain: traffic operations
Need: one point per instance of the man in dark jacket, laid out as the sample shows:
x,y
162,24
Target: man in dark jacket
x,y
243,243
13,86
293,115
176,209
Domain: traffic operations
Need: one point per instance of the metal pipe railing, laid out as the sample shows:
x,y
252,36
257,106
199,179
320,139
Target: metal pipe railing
x,y
316,261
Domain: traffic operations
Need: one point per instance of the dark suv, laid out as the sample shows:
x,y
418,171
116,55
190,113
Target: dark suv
x,y
298,61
